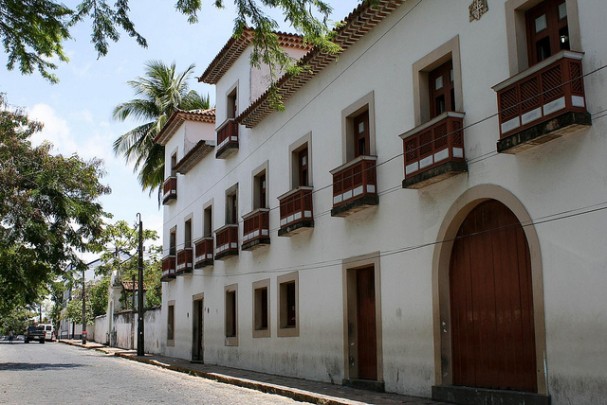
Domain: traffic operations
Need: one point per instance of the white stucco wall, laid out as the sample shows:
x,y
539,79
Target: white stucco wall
x,y
565,176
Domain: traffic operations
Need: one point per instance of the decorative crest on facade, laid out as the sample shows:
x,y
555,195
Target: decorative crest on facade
x,y
477,9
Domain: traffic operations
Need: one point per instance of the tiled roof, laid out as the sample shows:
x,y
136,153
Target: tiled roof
x,y
130,286
178,118
236,46
358,23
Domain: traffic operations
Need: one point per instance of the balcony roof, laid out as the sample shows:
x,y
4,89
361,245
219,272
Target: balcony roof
x,y
178,118
237,45
358,23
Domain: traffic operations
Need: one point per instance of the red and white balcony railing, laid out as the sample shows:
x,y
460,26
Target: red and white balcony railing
x,y
544,91
354,183
256,228
227,137
204,251
226,238
169,189
439,143
168,267
184,261
296,209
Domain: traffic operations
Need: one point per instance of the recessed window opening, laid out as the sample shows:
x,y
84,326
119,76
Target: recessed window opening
x,y
188,234
260,197
230,320
233,104
173,242
171,323
232,206
208,222
261,308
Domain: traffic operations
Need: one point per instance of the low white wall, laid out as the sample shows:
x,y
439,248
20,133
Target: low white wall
x,y
125,327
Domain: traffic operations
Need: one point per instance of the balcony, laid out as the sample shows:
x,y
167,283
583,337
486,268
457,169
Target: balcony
x,y
434,151
296,212
227,241
227,139
256,229
184,261
168,268
169,190
204,252
354,186
542,103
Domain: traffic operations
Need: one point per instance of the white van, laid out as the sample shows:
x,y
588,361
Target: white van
x,y
49,331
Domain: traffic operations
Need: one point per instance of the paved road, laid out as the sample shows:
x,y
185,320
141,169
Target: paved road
x,y
58,374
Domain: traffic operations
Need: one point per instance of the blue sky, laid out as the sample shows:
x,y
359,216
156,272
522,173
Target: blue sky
x,y
77,112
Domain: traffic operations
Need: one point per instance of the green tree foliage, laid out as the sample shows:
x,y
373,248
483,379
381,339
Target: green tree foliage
x,y
73,311
33,31
160,92
120,237
16,321
48,210
98,296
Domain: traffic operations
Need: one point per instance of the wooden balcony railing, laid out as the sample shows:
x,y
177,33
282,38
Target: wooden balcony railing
x,y
256,229
434,151
227,241
168,268
539,104
227,139
184,261
354,186
203,252
296,211
169,189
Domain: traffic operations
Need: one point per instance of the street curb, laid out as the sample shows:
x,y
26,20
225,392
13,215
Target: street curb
x,y
293,393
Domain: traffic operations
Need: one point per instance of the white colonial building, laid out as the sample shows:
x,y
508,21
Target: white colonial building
x,y
426,216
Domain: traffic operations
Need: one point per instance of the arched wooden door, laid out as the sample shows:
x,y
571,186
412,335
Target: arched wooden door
x,y
493,335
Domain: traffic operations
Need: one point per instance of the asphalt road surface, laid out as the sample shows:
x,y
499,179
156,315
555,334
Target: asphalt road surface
x,y
55,373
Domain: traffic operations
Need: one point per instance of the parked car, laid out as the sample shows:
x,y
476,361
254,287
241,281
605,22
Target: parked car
x,y
35,333
49,331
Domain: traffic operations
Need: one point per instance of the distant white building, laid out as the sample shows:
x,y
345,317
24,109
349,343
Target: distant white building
x,y
427,215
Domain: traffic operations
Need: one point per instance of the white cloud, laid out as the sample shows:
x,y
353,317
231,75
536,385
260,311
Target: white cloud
x,y
56,129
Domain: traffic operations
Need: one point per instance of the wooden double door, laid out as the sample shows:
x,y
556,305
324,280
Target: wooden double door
x,y
492,316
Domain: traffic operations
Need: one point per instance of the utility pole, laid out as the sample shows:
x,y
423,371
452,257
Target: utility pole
x,y
83,334
140,335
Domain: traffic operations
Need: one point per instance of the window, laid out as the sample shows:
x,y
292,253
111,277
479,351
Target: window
x,y
547,30
231,315
173,164
437,83
232,107
537,30
358,122
261,309
187,237
288,296
208,222
260,188
442,92
232,205
173,242
171,321
301,165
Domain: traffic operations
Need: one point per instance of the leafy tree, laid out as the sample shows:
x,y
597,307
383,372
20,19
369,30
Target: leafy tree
x,y
33,31
162,90
120,237
48,210
97,294
16,321
73,311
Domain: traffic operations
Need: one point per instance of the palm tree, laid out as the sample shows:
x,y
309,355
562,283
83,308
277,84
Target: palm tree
x,y
161,91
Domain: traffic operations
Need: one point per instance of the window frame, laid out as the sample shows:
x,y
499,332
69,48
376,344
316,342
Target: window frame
x,y
170,323
231,314
261,332
284,329
516,32
422,68
231,205
295,148
261,170
207,220
367,102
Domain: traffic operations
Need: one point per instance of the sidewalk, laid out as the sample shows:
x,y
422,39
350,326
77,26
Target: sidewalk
x,y
295,388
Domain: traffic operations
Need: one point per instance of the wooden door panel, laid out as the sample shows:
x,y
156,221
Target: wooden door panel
x,y
367,339
493,338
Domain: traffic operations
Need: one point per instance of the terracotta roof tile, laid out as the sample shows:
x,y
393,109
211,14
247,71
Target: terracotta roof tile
x,y
236,46
358,23
178,118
